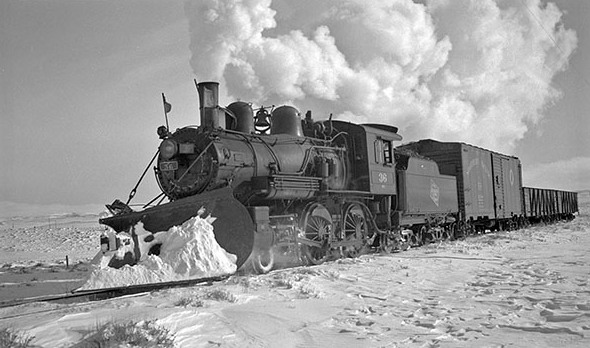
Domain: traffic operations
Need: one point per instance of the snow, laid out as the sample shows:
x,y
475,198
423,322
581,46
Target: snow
x,y
526,288
187,252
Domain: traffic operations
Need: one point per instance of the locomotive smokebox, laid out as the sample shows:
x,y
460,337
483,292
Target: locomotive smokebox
x,y
286,120
209,101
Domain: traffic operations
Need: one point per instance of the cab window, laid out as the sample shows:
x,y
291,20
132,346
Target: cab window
x,y
387,152
383,151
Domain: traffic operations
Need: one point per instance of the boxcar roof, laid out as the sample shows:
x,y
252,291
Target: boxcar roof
x,y
457,143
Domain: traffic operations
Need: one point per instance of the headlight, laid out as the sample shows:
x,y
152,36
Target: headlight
x,y
168,148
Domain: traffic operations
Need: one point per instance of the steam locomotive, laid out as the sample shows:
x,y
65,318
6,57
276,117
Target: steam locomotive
x,y
278,183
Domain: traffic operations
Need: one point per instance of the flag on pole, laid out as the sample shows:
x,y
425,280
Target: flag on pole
x,y
167,106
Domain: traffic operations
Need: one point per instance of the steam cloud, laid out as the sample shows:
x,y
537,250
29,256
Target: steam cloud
x,y
477,71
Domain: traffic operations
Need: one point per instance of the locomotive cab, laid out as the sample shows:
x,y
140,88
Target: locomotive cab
x,y
370,155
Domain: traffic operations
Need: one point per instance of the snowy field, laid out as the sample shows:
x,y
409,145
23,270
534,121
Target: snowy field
x,y
528,288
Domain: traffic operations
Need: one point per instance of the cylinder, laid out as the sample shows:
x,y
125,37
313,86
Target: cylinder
x,y
209,100
286,120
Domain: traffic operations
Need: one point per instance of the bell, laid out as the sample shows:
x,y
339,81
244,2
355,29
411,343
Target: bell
x,y
262,119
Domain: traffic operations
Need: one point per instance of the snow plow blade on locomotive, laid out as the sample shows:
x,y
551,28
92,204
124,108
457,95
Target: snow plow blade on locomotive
x,y
196,172
233,227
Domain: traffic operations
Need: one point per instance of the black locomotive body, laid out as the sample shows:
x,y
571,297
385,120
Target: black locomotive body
x,y
281,184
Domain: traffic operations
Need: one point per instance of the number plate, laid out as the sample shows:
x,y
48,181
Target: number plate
x,y
168,166
382,178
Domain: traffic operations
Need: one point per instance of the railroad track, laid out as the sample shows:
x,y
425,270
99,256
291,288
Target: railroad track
x,y
108,293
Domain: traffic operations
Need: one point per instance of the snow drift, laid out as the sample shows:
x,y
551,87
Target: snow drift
x,y
189,251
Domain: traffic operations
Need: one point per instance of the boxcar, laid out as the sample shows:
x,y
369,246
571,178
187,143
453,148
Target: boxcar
x,y
488,183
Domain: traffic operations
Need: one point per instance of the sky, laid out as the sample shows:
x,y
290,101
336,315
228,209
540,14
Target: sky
x,y
81,81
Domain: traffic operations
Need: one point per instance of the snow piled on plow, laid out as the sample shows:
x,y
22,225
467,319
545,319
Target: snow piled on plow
x,y
188,251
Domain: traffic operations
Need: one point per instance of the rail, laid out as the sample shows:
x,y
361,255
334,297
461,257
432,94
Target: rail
x,y
108,293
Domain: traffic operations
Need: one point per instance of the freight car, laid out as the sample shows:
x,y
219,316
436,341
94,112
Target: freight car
x,y
489,184
546,205
278,183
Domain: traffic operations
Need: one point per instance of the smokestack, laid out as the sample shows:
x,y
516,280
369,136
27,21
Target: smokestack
x,y
209,100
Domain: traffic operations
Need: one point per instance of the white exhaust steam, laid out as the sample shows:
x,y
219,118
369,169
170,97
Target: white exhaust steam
x,y
477,71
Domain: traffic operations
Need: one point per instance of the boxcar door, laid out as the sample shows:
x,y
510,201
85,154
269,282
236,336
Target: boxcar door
x,y
498,177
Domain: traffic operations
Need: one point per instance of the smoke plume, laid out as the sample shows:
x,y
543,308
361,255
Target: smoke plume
x,y
477,71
